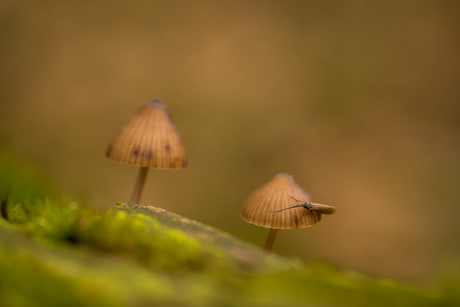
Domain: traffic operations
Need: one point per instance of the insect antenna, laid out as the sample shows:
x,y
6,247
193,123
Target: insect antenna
x,y
277,211
300,201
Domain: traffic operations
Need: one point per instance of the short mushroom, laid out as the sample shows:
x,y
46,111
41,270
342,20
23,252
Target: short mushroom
x,y
148,138
275,206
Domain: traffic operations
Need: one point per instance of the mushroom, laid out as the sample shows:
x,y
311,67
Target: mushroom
x,y
275,205
148,138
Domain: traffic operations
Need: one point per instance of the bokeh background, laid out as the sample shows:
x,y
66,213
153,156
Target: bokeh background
x,y
358,100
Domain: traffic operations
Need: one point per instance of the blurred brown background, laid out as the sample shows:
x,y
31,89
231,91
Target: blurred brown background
x,y
358,100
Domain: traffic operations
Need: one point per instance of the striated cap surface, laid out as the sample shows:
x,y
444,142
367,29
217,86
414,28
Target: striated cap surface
x,y
276,195
149,138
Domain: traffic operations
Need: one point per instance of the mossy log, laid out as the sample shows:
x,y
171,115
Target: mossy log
x,y
65,255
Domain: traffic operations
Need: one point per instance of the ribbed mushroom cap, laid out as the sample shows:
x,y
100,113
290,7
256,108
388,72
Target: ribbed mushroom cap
x,y
149,138
276,195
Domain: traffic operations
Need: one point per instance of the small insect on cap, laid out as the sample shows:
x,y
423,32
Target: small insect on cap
x,y
276,195
149,138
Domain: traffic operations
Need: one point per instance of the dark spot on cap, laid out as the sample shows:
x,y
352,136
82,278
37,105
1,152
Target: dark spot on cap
x,y
158,102
136,152
149,155
167,148
108,151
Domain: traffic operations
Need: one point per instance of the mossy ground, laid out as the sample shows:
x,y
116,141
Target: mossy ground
x,y
56,252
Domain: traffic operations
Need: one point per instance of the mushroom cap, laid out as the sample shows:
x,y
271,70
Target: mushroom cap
x,y
276,195
149,138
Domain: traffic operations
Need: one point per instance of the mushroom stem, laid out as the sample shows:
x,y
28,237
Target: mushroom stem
x,y
139,185
270,240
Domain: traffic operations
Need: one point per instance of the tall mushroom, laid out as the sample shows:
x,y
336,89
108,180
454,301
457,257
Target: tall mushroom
x,y
148,138
275,205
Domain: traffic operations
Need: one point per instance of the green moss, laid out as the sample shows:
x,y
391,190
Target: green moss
x,y
126,258
144,238
51,275
135,235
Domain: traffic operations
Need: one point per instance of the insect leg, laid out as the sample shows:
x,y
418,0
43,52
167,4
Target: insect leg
x,y
297,222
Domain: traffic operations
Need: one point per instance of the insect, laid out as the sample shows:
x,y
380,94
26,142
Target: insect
x,y
324,209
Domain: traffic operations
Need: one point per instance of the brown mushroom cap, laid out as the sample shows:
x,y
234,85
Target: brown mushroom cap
x,y
276,195
149,138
